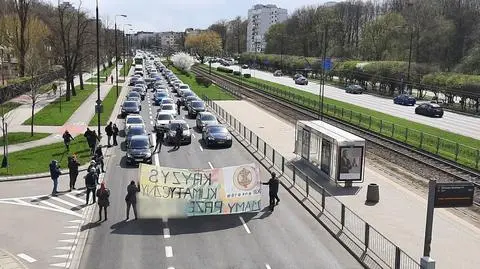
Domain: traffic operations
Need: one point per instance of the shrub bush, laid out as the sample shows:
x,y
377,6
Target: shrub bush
x,y
237,73
225,70
247,75
203,81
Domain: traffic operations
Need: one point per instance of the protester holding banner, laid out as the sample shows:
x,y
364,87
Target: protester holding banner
x,y
131,198
273,184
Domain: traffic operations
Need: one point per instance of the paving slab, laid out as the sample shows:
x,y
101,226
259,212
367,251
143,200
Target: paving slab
x,y
400,214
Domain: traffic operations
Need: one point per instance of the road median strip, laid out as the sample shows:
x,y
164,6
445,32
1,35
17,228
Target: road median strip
x,y
108,105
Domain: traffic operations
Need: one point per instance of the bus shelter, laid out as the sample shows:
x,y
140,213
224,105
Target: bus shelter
x,y
331,151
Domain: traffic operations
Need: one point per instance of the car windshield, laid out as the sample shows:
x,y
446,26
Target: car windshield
x,y
133,94
165,117
184,87
218,130
161,94
167,107
136,131
134,120
129,104
174,126
208,117
139,144
186,94
197,104
435,105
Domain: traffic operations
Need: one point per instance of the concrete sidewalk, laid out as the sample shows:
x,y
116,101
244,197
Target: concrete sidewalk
x,y
9,261
400,214
76,124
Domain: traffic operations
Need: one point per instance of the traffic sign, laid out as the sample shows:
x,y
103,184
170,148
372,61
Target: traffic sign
x,y
327,64
454,194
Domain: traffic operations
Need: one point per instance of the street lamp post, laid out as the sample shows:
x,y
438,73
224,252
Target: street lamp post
x,y
324,58
116,51
124,54
99,101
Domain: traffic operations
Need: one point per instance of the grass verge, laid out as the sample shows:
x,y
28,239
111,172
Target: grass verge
x,y
36,160
108,104
50,115
126,67
213,92
8,106
94,79
462,149
22,137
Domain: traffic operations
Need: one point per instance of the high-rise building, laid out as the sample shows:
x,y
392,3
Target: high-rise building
x,y
260,18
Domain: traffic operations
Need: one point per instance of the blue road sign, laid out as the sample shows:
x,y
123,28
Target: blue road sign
x,y
327,64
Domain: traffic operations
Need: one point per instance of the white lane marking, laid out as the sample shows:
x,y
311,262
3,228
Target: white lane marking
x,y
150,117
244,225
62,256
74,197
210,164
166,233
77,220
70,227
26,257
66,248
61,208
201,149
171,267
63,201
168,251
268,266
164,219
183,117
151,122
155,156
67,240
70,234
23,203
193,135
61,265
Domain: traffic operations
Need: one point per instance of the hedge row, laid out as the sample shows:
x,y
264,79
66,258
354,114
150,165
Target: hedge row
x,y
225,70
201,80
237,73
288,63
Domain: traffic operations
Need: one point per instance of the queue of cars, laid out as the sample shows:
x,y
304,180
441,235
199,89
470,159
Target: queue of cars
x,y
153,76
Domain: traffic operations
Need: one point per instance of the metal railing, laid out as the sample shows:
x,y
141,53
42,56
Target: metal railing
x,y
451,150
363,241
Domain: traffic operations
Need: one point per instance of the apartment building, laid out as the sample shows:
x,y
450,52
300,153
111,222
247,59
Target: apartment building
x,y
260,18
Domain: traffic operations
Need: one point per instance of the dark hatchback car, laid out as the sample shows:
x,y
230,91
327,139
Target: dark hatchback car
x,y
130,107
195,107
216,135
139,150
297,75
404,99
429,109
172,128
301,81
133,80
355,89
135,130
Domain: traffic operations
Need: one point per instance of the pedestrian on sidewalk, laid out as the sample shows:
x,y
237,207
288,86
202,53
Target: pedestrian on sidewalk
x,y
109,132
103,195
73,165
55,174
273,184
159,140
111,79
178,107
93,165
88,136
131,198
99,157
115,134
91,181
67,138
54,89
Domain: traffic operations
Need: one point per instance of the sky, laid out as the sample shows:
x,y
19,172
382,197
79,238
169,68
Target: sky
x,y
177,15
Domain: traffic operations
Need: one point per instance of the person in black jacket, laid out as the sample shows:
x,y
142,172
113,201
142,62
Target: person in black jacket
x,y
91,184
109,132
54,174
273,185
73,165
67,138
160,136
115,134
99,157
131,198
88,134
178,106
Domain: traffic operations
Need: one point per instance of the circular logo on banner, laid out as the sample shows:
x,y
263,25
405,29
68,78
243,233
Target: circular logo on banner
x,y
243,178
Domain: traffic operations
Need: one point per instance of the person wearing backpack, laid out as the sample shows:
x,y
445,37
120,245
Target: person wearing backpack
x,y
54,174
103,195
91,184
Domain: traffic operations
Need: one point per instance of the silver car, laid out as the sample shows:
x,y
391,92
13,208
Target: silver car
x,y
204,119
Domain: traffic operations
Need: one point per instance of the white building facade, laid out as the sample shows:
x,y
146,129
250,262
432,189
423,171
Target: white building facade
x,y
260,18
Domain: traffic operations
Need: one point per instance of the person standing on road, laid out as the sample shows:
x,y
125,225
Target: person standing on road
x,y
109,132
115,134
273,184
131,198
103,195
178,107
159,140
178,137
73,165
67,138
99,157
55,174
91,181
111,79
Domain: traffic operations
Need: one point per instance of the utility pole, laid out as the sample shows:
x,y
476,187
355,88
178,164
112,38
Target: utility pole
x,y
99,102
324,58
116,51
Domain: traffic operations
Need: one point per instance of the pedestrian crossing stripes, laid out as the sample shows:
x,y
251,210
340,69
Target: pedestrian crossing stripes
x,y
71,203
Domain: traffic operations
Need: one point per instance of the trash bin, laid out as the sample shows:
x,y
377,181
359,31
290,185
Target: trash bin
x,y
373,195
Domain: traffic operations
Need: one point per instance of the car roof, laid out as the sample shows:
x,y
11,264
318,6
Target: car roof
x,y
163,113
140,137
167,105
137,126
203,113
130,102
178,121
216,125
134,116
198,101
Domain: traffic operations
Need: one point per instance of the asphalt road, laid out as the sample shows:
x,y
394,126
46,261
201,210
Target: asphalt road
x,y
287,238
453,122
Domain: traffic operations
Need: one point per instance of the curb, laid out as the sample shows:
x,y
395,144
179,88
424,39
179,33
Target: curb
x,y
39,175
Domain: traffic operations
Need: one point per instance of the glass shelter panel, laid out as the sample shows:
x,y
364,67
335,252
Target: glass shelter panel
x,y
305,144
314,145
